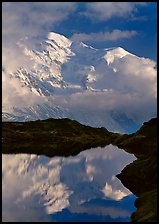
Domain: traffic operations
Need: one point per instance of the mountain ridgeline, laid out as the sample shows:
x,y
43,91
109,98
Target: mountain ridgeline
x,y
52,137
65,137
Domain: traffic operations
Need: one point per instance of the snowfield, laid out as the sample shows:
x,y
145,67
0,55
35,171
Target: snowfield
x,y
99,87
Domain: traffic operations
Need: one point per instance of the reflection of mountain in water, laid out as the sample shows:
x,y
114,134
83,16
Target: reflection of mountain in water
x,y
68,187
98,210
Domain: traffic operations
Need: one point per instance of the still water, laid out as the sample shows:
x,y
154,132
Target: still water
x,y
66,189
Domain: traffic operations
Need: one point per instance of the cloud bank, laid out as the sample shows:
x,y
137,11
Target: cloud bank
x,y
113,35
28,22
127,85
103,11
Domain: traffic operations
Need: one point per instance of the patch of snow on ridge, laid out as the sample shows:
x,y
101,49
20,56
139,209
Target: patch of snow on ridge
x,y
60,39
113,53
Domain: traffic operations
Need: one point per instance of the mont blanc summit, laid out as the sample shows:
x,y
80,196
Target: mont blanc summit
x,y
70,79
66,65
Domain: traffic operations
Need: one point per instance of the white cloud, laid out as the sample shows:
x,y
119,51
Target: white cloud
x,y
33,18
131,89
104,11
114,194
28,22
14,93
104,36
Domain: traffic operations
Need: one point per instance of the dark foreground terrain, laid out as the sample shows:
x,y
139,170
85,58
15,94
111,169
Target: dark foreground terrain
x,y
140,177
52,137
64,137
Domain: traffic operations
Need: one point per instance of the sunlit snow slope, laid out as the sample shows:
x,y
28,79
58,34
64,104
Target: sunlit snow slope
x,y
97,87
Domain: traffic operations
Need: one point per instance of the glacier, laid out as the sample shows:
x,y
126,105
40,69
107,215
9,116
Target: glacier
x,y
97,87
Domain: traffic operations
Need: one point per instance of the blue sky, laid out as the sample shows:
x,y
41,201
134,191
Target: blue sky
x,y
143,21
130,25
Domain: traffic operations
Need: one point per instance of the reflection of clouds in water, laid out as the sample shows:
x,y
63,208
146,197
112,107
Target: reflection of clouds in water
x,y
32,175
114,194
100,210
90,171
30,210
55,197
64,182
96,168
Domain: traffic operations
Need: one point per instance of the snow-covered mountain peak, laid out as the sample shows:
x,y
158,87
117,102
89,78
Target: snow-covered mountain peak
x,y
60,39
72,79
112,53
